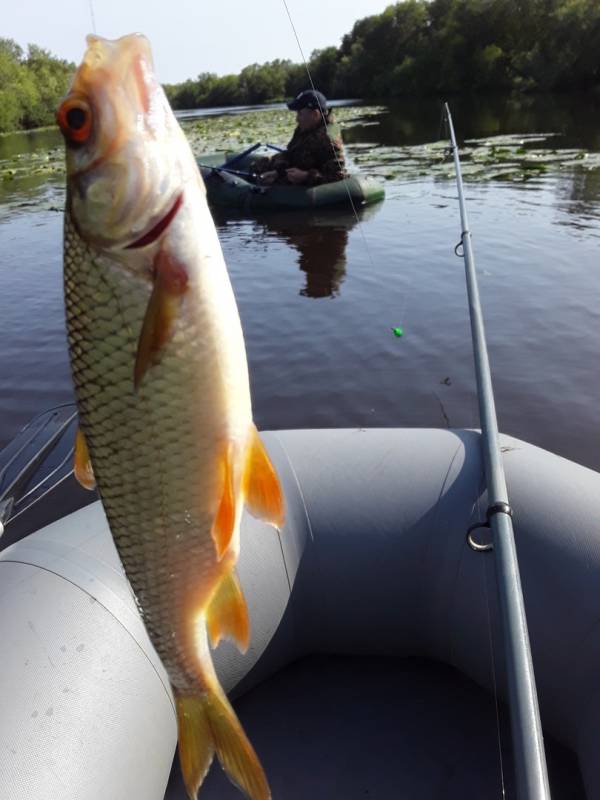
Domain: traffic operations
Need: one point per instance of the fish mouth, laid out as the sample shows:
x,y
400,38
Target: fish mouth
x,y
158,228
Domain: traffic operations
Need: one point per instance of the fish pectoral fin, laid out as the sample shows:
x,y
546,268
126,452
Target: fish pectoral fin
x,y
224,524
208,724
227,614
170,285
82,465
262,490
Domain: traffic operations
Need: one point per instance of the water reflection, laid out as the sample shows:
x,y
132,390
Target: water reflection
x,y
27,142
414,121
583,195
30,193
31,171
320,240
321,247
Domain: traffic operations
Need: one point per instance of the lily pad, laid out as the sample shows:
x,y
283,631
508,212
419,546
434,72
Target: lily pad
x,y
25,175
514,157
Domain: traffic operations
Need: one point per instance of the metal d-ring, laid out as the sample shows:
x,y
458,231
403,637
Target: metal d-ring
x,y
479,548
496,508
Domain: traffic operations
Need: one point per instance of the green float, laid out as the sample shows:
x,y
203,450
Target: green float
x,y
230,181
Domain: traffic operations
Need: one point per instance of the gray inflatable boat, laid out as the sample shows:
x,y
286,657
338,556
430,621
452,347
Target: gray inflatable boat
x,y
376,664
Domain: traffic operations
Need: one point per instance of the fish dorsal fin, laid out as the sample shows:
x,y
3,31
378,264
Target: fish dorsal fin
x,y
227,614
224,524
262,490
82,465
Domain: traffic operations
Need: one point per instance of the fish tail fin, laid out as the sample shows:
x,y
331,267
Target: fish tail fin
x,y
208,725
196,747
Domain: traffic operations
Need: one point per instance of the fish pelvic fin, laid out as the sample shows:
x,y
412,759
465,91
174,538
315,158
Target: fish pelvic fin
x,y
262,490
207,725
227,614
82,465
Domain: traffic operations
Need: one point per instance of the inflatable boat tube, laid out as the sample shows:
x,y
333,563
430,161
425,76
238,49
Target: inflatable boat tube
x,y
233,190
369,672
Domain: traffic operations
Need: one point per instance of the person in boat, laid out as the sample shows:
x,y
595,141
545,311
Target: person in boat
x,y
315,153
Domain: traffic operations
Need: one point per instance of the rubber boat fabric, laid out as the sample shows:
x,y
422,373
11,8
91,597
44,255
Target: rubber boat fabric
x,y
369,668
236,189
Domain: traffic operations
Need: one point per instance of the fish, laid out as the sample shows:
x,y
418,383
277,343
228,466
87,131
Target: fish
x,y
161,380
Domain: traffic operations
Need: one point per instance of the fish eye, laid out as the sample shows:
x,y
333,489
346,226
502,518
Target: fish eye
x,y
74,118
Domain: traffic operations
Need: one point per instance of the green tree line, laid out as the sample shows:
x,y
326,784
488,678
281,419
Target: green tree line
x,y
414,47
31,85
256,83
419,47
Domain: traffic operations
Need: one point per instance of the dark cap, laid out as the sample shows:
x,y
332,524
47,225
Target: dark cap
x,y
309,99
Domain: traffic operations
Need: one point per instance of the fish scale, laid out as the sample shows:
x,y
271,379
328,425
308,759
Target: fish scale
x,y
142,510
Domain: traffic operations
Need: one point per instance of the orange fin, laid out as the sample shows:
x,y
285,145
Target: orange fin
x,y
170,284
262,490
208,724
224,524
227,614
196,747
82,466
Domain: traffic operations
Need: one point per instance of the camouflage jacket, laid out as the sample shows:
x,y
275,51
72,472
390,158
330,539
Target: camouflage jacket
x,y
319,151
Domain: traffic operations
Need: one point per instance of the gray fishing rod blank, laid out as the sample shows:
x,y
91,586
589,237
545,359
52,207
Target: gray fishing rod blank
x,y
528,743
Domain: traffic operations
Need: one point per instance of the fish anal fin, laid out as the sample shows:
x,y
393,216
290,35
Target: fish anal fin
x,y
82,465
227,614
224,524
262,490
158,327
208,724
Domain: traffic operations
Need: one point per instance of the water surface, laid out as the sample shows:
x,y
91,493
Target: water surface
x,y
320,294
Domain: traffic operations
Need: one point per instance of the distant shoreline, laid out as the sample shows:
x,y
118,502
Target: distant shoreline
x,y
189,114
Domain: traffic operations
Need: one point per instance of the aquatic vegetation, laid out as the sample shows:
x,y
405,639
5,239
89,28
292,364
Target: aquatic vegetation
x,y
42,162
517,157
206,134
233,132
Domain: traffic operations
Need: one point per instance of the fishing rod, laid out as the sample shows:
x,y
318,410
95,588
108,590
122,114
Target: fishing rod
x,y
240,156
528,744
240,174
226,166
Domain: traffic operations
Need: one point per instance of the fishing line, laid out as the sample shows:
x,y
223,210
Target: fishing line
x,y
402,308
493,670
527,743
473,424
91,5
476,507
321,110
490,632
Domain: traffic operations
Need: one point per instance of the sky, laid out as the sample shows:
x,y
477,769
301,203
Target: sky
x,y
189,36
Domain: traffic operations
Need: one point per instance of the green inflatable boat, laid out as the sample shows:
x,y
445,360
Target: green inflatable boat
x,y
230,182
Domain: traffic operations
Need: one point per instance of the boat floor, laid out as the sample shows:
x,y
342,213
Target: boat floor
x,y
376,728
